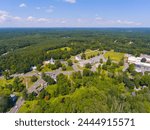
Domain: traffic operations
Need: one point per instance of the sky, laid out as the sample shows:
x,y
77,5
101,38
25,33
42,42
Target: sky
x,y
74,13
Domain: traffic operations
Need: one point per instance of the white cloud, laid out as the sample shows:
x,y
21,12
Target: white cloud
x,y
110,22
30,19
2,12
79,20
63,21
43,20
35,20
71,1
6,19
50,9
22,5
16,18
98,18
126,22
3,16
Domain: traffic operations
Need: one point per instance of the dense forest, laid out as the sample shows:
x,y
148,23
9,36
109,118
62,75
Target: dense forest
x,y
22,48
108,89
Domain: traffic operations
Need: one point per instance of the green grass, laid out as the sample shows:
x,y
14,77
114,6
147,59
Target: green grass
x,y
90,53
63,48
67,48
28,80
28,106
69,68
115,56
46,69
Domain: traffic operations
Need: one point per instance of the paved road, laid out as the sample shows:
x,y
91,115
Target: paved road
x,y
29,74
34,87
19,103
94,67
126,65
55,73
1,77
75,67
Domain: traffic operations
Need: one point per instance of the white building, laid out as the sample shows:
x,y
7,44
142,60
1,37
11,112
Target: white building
x,y
33,68
78,58
51,61
134,60
140,66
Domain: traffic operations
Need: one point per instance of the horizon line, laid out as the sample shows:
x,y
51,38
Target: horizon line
x,y
73,27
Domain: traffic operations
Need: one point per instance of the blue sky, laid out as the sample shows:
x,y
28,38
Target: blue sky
x,y
74,13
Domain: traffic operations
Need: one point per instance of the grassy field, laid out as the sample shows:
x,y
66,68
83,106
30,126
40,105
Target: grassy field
x,y
115,56
66,48
63,48
69,68
28,81
90,53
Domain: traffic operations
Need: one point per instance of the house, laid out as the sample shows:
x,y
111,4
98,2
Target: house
x,y
33,68
78,58
140,66
38,86
51,61
53,76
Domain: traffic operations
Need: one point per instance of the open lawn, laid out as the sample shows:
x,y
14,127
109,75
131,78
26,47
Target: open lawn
x,y
27,81
90,53
66,48
63,49
69,68
115,56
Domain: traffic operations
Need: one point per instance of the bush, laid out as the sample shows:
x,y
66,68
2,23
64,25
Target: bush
x,y
70,63
64,68
34,78
88,66
87,72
